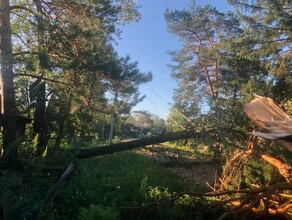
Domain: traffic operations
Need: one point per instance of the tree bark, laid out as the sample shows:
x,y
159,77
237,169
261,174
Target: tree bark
x,y
8,93
102,131
60,134
109,149
113,119
112,128
40,119
63,117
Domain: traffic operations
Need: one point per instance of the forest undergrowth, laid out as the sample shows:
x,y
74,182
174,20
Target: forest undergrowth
x,y
154,182
126,185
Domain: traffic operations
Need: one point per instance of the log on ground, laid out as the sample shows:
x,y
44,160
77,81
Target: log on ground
x,y
109,149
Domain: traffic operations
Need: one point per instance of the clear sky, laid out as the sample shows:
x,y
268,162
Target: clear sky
x,y
147,42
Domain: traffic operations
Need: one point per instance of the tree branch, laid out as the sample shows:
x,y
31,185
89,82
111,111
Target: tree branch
x,y
43,78
248,201
284,169
21,7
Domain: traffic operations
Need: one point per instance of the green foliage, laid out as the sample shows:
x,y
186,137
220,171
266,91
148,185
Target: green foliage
x,y
220,67
141,119
157,192
26,209
254,173
28,148
13,206
144,124
8,184
119,180
195,26
287,106
259,172
267,25
128,10
213,78
176,120
76,78
96,212
79,81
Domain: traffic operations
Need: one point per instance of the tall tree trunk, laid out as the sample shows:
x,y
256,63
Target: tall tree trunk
x,y
102,131
60,133
113,119
112,128
8,93
40,119
63,116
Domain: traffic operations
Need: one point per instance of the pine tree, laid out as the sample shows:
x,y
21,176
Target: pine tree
x,y
268,26
197,70
53,41
8,104
124,88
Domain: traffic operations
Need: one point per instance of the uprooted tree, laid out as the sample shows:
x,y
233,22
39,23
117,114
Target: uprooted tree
x,y
271,199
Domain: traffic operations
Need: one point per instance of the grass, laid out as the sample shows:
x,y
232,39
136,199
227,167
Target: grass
x,y
99,187
111,187
123,179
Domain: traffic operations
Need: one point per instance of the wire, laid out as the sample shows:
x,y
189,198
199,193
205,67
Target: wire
x,y
185,117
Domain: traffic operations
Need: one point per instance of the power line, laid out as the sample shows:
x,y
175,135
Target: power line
x,y
185,117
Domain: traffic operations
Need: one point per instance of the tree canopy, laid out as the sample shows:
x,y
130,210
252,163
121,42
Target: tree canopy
x,y
62,65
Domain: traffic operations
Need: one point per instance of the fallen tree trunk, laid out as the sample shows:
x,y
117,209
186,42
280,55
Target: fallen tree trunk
x,y
54,188
109,149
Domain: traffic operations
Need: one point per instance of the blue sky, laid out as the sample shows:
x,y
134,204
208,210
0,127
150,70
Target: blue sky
x,y
147,42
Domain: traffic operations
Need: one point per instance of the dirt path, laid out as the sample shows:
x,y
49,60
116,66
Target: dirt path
x,y
198,174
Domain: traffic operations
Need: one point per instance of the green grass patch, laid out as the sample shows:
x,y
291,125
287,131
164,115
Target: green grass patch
x,y
201,153
98,188
101,185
